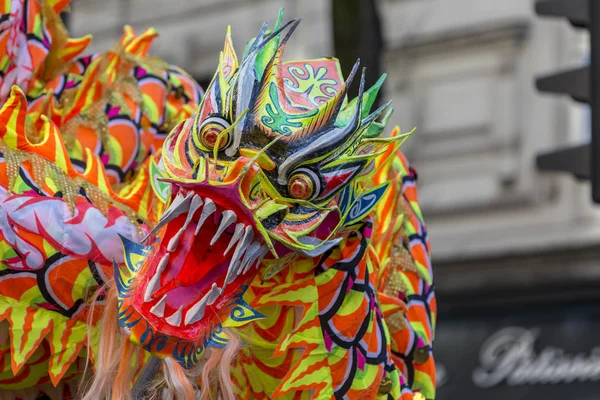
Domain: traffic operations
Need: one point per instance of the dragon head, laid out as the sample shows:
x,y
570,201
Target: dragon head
x,y
274,165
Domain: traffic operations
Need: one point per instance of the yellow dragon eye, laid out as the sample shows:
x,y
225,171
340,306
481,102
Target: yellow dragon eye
x,y
210,131
303,184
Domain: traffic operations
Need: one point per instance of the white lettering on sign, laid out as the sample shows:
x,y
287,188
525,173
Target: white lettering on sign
x,y
509,356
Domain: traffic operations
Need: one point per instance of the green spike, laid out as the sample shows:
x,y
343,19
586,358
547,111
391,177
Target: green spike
x,y
265,55
368,99
279,20
376,128
371,94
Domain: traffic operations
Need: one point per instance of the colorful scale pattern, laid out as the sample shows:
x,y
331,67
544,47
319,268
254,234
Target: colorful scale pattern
x,y
355,322
340,325
79,144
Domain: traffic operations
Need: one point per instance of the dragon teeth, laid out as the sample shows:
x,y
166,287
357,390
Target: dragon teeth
x,y
258,254
263,252
214,294
209,208
175,319
162,264
248,236
239,230
249,258
155,281
178,206
196,312
194,206
151,288
159,308
173,243
237,254
228,218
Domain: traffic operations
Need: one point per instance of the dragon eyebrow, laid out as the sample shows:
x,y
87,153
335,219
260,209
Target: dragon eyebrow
x,y
256,157
225,132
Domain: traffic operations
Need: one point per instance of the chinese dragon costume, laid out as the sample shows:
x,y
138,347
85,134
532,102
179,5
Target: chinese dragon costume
x,y
259,240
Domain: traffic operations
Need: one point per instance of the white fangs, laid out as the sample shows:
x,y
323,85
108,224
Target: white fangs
x,y
237,254
228,218
256,252
151,288
209,208
159,308
175,319
180,204
247,253
194,206
239,229
155,281
196,312
248,258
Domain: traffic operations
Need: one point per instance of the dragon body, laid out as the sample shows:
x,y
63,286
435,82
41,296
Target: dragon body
x,y
270,207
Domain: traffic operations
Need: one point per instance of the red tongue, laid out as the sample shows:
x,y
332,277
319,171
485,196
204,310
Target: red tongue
x,y
194,256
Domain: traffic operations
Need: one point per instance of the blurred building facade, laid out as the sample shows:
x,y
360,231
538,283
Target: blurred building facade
x,y
510,244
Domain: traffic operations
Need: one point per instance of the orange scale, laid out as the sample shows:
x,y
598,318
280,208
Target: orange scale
x,y
62,276
400,364
401,340
3,175
419,314
33,13
362,270
147,140
420,255
373,337
328,291
276,330
38,55
412,278
131,104
127,137
157,91
14,286
88,139
339,369
53,84
433,306
370,392
277,372
350,323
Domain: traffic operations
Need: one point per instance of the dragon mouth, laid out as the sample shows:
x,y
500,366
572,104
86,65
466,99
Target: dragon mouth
x,y
206,253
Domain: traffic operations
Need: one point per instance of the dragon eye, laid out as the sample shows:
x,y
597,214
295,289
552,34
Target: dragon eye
x,y
304,184
211,129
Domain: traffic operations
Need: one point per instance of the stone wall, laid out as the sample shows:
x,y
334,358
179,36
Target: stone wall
x,y
462,72
192,32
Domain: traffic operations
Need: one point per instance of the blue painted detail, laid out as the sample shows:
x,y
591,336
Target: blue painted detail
x,y
364,204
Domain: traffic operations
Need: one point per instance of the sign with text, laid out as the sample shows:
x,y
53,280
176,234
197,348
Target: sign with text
x,y
533,356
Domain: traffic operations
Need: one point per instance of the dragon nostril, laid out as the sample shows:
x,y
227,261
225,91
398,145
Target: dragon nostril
x,y
274,219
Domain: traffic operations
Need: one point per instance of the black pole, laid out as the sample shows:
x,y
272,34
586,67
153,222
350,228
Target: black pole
x,y
357,34
594,8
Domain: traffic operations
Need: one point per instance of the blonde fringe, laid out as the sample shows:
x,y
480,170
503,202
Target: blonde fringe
x,y
114,375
